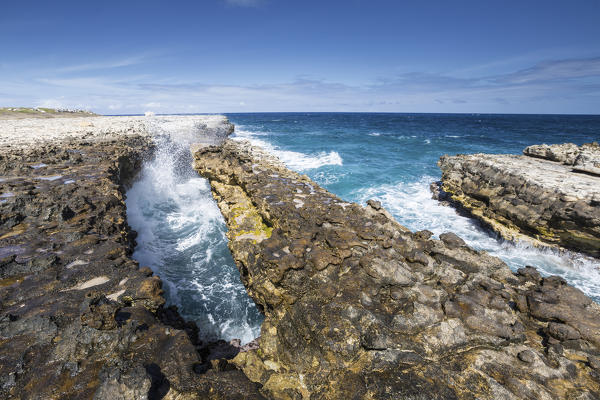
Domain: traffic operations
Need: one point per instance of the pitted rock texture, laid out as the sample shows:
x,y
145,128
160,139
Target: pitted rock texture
x,y
527,198
585,158
358,307
78,317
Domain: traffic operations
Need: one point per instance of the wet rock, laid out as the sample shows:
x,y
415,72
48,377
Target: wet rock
x,y
356,306
541,197
99,313
78,317
452,240
132,384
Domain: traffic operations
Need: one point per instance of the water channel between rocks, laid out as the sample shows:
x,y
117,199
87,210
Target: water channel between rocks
x,y
181,236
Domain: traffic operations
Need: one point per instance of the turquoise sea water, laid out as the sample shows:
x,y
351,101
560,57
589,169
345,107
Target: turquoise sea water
x,y
393,158
358,156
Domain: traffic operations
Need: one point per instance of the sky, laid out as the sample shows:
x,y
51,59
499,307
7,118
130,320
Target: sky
x,y
225,56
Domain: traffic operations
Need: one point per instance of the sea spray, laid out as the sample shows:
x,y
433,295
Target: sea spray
x,y
181,236
412,204
392,158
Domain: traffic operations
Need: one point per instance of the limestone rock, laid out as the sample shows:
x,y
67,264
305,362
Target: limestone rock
x,y
585,158
356,306
531,198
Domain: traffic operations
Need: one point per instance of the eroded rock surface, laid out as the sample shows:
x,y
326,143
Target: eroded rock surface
x,y
78,317
358,307
541,196
585,158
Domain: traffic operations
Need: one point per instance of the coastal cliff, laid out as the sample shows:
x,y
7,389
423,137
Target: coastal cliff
x,y
79,318
357,306
550,195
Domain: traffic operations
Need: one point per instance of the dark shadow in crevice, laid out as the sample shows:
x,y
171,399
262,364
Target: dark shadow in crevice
x,y
160,384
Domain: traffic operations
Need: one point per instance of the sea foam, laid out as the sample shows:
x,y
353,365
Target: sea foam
x,y
292,159
412,205
181,236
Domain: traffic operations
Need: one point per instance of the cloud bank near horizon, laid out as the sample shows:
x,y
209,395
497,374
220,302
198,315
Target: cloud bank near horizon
x,y
112,87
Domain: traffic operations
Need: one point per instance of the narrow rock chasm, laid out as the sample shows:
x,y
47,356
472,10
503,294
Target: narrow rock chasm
x,y
181,236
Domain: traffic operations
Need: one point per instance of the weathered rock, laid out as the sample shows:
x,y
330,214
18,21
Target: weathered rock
x,y
78,317
565,153
585,158
531,198
358,307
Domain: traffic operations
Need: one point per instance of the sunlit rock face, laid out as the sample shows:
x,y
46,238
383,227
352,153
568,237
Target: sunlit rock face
x,y
356,306
79,318
550,195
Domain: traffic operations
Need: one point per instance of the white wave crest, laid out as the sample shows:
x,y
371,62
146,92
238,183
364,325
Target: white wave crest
x,y
293,159
412,205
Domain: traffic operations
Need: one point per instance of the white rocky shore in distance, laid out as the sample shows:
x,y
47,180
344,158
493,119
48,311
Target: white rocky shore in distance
x,y
19,133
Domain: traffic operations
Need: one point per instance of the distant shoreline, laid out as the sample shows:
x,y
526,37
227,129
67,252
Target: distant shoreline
x,y
41,112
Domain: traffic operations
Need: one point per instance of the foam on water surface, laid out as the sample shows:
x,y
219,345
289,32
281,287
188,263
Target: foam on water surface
x,y
292,159
393,157
412,205
181,236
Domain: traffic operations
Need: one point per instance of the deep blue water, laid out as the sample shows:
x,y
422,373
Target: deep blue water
x,y
384,148
393,158
388,157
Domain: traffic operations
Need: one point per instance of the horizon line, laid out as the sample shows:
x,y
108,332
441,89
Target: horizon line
x,y
350,112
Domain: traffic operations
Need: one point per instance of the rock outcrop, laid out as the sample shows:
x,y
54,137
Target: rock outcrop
x,y
550,195
78,317
356,306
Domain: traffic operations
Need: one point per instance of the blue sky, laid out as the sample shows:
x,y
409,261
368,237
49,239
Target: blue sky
x,y
283,55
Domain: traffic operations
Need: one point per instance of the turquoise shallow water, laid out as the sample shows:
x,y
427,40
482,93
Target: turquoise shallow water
x,y
389,157
393,158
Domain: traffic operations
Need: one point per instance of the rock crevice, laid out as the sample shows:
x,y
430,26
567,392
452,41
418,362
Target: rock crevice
x,y
357,306
78,317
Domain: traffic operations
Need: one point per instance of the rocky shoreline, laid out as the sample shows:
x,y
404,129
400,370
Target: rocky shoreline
x,y
356,306
549,196
78,317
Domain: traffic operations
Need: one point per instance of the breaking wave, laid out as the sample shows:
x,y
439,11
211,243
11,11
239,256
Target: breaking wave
x,y
293,159
412,205
181,236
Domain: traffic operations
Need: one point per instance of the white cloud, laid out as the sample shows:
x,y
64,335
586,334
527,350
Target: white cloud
x,y
125,62
551,86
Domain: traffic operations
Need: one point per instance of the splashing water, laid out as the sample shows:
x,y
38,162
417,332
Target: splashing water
x,y
292,159
181,236
392,158
413,206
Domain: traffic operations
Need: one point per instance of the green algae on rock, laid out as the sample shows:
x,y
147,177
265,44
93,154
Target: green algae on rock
x,y
356,306
78,317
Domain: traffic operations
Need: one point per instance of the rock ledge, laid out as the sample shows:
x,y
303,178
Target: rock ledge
x,y
541,196
356,306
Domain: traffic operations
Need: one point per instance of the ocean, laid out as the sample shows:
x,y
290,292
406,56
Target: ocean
x,y
358,156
